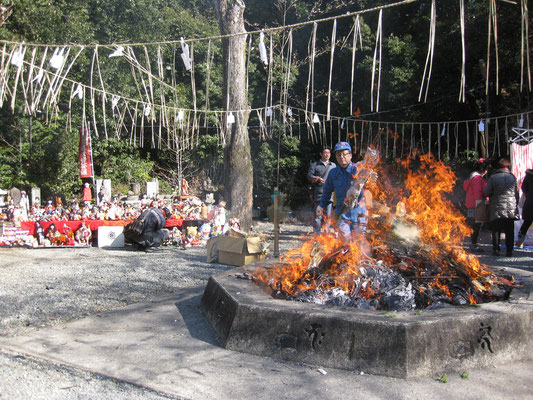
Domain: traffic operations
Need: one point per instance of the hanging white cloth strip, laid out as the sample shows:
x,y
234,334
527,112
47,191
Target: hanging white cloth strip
x,y
493,33
333,40
429,58
356,35
286,81
525,53
262,49
309,99
462,87
93,101
17,59
208,61
521,159
378,45
185,54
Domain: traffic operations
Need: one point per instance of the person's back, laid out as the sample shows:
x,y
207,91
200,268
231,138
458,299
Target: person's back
x,y
502,189
154,232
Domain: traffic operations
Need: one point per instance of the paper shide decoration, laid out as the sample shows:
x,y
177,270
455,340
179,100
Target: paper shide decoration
x,y
40,74
118,52
185,54
58,58
262,49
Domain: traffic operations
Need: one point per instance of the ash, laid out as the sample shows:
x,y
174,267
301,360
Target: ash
x,y
390,291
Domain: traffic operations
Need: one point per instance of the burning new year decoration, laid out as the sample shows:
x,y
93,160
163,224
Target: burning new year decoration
x,y
416,258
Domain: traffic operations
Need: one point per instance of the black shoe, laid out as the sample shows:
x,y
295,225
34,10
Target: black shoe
x,y
508,254
495,253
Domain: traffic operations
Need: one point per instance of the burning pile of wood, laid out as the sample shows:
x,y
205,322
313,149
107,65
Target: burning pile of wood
x,y
410,257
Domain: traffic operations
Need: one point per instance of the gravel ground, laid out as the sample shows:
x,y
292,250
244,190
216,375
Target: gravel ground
x,y
44,287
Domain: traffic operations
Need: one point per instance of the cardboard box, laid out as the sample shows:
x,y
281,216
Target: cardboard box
x,y
111,236
238,251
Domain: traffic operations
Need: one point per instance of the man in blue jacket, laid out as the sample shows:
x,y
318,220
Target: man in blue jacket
x,y
338,181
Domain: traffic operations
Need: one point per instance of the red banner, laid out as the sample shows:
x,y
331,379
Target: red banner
x,y
84,154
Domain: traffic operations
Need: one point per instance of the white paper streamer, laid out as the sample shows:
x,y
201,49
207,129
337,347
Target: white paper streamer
x,y
114,101
231,119
185,55
118,52
262,49
78,92
18,57
39,76
57,59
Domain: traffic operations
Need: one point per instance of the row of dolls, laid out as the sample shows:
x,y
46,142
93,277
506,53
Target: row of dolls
x,y
194,236
191,208
54,237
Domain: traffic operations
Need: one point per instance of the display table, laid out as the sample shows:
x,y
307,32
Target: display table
x,y
92,224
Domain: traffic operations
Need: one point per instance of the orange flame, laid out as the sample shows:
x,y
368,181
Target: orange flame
x,y
415,213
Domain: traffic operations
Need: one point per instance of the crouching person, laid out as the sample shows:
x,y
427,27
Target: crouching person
x,y
148,230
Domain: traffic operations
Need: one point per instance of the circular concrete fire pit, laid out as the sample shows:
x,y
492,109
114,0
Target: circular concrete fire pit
x,y
397,344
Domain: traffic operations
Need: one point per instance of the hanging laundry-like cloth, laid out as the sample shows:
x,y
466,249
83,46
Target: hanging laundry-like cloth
x,y
522,159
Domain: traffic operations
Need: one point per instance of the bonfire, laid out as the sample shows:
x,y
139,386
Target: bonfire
x,y
411,255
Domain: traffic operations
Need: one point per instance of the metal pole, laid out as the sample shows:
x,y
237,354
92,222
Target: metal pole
x,y
485,132
276,223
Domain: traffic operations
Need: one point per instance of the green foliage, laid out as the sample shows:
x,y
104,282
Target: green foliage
x,y
292,170
50,161
121,162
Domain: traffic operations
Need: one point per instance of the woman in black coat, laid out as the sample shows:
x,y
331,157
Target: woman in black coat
x,y
502,189
527,210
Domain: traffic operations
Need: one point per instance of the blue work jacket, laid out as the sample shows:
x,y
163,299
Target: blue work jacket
x,y
338,181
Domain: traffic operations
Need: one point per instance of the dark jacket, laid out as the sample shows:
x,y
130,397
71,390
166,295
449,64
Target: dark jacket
x,y
318,169
502,189
527,190
154,232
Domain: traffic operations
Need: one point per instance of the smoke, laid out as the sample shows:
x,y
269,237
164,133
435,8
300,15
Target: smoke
x,y
409,235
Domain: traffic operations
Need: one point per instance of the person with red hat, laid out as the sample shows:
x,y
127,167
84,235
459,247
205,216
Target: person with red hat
x,y
473,187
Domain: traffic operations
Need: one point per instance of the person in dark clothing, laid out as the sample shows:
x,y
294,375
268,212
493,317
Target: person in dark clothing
x,y
317,174
502,189
527,209
154,232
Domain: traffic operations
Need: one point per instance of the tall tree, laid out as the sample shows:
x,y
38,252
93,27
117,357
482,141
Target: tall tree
x,y
238,170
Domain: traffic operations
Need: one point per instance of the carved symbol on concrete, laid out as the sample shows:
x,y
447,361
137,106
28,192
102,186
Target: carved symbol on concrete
x,y
484,338
315,335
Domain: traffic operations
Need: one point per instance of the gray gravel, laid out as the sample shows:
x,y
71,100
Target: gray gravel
x,y
45,287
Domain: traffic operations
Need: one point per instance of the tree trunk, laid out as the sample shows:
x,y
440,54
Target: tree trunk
x,y
238,170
